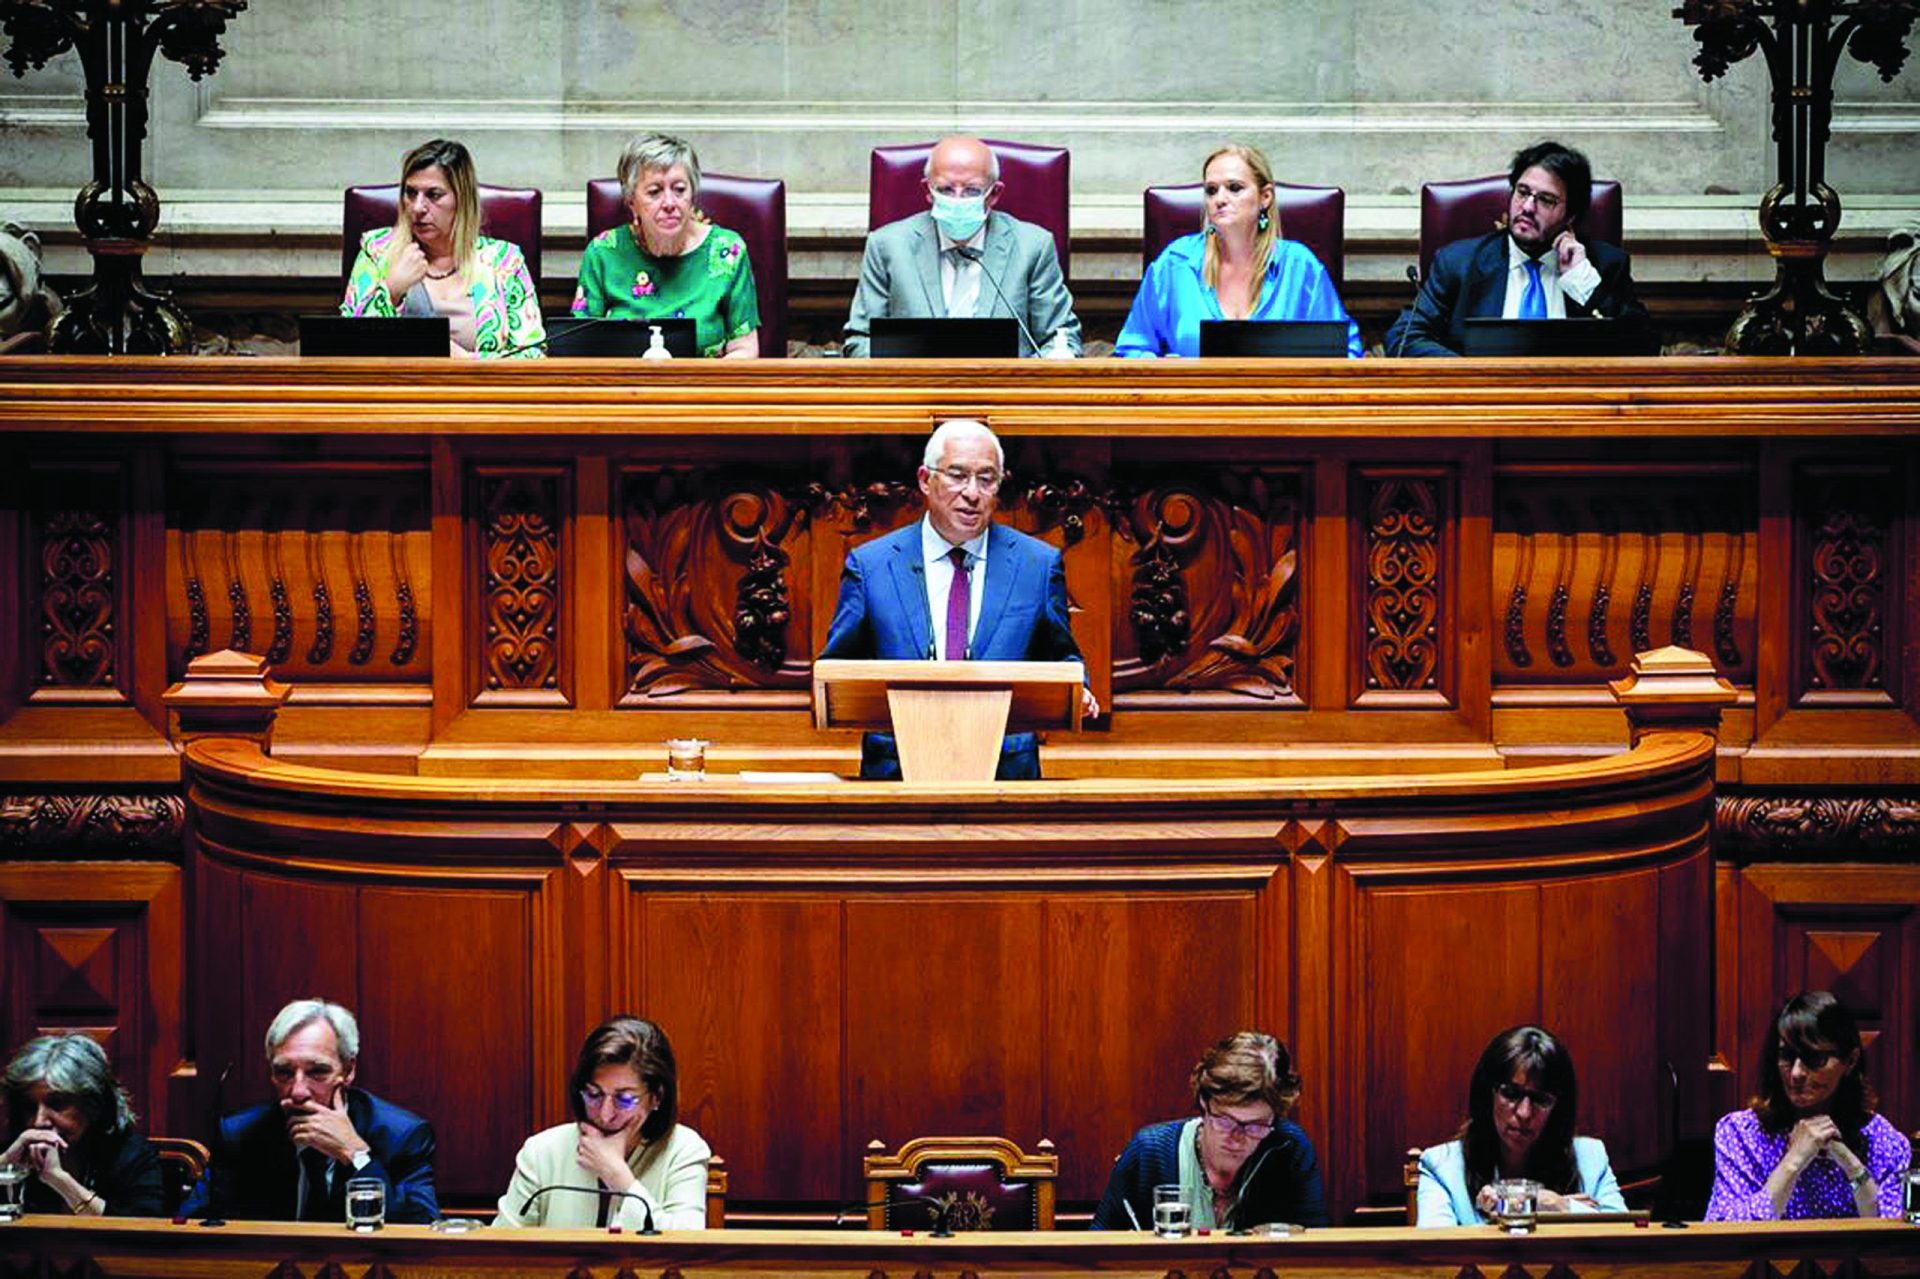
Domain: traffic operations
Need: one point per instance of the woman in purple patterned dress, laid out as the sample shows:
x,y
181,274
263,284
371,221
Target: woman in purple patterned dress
x,y
1809,1144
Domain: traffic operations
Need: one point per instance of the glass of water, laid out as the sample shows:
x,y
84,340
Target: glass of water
x,y
366,1203
1172,1214
1913,1195
686,759
1515,1202
13,1191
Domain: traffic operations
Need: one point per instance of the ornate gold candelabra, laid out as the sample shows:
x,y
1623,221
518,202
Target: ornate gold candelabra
x,y
1803,41
117,211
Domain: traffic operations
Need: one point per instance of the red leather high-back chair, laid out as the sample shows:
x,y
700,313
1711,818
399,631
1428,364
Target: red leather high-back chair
x,y
506,213
754,207
979,1183
1035,191
1315,216
1460,210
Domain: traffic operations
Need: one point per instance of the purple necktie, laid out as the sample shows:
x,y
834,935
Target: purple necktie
x,y
958,600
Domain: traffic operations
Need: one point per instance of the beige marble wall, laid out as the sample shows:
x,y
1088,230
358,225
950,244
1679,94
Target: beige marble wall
x,y
1374,95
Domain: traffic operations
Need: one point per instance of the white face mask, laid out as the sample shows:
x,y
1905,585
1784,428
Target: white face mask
x,y
960,216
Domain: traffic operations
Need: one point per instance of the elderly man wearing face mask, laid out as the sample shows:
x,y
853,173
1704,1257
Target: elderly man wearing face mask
x,y
949,260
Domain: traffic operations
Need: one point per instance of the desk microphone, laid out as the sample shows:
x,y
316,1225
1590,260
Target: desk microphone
x,y
1406,327
545,340
972,254
940,1210
596,1190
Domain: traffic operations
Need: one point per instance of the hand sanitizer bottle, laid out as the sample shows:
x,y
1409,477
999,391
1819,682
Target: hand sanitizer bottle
x,y
656,345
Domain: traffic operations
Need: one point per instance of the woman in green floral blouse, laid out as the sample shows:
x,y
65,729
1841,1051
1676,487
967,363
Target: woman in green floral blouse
x,y
434,261
670,262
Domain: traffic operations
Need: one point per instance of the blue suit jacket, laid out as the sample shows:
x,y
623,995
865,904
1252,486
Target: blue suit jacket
x,y
254,1174
883,614
1468,280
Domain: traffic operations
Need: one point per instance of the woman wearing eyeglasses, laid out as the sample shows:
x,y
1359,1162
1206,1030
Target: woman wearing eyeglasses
x,y
1809,1144
1521,1107
1241,1161
624,1159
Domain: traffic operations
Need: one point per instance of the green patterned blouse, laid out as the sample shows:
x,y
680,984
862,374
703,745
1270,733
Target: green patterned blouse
x,y
506,306
712,285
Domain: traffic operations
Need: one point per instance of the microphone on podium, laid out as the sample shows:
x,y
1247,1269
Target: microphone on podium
x,y
972,254
597,1190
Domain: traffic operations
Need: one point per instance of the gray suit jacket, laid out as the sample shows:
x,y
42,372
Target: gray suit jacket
x,y
900,277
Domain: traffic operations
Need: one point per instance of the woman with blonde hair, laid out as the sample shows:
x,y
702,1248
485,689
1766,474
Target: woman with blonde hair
x,y
434,261
1237,267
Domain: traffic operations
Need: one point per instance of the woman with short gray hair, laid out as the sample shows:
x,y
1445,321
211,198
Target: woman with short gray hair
x,y
669,261
73,1133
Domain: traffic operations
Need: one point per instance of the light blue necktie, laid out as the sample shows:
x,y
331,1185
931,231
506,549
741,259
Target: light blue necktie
x,y
1533,302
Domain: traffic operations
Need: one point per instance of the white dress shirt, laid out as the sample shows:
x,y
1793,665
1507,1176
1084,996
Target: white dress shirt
x,y
1577,284
934,550
960,279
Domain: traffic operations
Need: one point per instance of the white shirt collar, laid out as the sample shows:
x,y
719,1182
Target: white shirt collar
x,y
1517,259
978,240
935,547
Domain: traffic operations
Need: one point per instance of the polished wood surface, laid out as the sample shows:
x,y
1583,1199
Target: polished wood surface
x,y
248,1251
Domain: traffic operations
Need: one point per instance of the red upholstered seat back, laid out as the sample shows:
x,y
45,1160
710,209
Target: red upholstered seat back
x,y
1035,179
754,207
1471,207
506,213
1315,216
976,1196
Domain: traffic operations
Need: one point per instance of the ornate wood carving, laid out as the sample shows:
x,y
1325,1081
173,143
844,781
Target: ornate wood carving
x,y
92,825
1405,581
520,591
76,600
1846,559
1824,827
708,603
1214,597
1579,545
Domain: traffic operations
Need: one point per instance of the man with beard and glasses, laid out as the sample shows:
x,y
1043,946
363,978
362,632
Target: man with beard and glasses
x,y
1534,267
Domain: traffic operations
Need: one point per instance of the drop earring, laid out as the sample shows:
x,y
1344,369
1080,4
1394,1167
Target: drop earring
x,y
1263,221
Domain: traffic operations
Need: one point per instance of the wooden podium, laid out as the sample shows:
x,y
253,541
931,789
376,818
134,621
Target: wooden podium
x,y
947,718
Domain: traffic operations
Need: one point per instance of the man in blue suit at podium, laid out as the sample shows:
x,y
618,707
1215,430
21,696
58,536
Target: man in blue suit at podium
x,y
956,586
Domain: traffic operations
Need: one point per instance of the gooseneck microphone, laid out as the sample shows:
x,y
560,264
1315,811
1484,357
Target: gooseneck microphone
x,y
972,254
597,1190
1406,324
584,321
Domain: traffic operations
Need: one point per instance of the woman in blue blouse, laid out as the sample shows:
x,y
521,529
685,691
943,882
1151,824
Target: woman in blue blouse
x,y
1238,268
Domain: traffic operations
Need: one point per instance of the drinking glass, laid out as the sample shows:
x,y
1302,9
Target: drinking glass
x,y
686,759
1913,1195
13,1191
1172,1214
1516,1200
366,1204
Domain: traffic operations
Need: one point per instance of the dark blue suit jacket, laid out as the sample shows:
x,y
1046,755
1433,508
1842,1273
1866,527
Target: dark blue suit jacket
x,y
883,614
1468,279
254,1174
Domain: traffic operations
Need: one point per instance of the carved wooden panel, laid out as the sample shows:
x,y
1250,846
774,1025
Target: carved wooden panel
x,y
75,572
69,825
1207,580
715,578
1589,570
1404,580
97,948
1848,569
1808,826
520,518
327,573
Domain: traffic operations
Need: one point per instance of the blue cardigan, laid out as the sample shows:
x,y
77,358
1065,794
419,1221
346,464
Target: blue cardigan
x,y
1285,1184
1174,298
1444,1200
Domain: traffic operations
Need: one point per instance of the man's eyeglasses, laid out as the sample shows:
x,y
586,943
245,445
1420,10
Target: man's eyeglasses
x,y
624,1100
1227,1126
1545,201
989,480
1513,1094
1814,1059
962,193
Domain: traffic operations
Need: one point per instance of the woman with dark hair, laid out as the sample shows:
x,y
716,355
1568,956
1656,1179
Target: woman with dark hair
x,y
434,261
624,1159
74,1133
1241,1161
1809,1143
1521,1107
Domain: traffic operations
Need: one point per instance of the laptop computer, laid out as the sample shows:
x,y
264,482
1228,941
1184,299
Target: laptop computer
x,y
944,338
1582,336
373,335
1283,339
585,337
